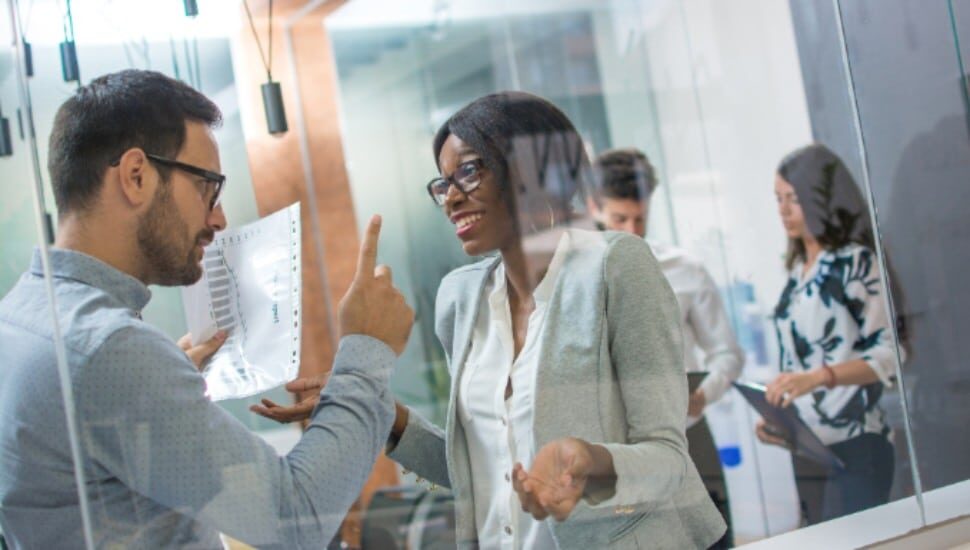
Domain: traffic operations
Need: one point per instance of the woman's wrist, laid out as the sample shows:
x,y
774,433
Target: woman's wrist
x,y
401,414
601,479
830,381
824,376
602,461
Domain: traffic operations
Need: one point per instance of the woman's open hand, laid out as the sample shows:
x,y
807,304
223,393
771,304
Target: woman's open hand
x,y
563,472
556,481
301,410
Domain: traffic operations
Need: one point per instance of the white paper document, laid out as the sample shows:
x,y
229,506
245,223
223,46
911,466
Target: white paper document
x,y
250,287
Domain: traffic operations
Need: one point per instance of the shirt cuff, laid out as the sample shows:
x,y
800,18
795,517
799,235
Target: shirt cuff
x,y
410,439
635,485
888,379
714,385
364,355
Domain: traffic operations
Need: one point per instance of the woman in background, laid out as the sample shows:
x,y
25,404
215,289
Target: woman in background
x,y
836,346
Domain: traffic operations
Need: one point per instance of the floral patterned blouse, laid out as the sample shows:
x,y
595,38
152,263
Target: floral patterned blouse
x,y
835,313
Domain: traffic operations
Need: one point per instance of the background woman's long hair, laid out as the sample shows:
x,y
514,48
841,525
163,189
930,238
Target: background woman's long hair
x,y
836,213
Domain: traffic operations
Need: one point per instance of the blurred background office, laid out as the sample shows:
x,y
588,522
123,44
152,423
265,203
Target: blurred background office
x,y
715,93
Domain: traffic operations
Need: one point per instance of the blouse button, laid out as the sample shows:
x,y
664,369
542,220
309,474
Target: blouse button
x,y
508,530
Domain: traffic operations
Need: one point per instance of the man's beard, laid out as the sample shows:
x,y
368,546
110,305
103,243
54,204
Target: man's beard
x,y
161,233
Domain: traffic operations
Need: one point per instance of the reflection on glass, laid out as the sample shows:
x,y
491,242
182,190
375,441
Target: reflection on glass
x,y
837,355
626,181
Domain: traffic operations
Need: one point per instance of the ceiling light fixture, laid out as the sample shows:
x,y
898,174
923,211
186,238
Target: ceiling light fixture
x,y
272,93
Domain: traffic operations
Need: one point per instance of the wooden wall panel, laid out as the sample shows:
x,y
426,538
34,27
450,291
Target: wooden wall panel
x,y
279,179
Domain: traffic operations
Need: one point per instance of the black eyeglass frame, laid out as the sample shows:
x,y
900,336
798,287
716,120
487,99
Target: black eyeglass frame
x,y
451,180
218,179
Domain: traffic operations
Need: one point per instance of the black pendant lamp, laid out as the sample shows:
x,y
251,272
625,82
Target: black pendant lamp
x,y
70,69
272,93
191,8
6,141
28,59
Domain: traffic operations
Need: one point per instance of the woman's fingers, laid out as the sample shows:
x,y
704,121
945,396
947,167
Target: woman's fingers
x,y
764,432
293,413
775,391
540,498
789,396
527,490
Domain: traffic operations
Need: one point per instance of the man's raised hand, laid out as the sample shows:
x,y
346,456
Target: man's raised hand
x,y
372,306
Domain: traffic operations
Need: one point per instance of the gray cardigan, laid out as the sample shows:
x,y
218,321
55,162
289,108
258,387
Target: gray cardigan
x,y
610,372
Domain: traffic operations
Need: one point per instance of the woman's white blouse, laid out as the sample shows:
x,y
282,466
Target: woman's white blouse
x,y
498,430
835,313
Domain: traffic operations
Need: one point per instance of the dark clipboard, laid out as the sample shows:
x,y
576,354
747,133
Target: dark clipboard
x,y
799,436
694,380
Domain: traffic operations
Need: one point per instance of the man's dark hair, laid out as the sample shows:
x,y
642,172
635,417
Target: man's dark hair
x,y
503,125
115,112
624,174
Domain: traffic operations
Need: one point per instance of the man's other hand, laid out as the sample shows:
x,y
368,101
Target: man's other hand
x,y
201,353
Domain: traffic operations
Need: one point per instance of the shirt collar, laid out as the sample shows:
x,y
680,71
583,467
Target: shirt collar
x,y
548,283
70,264
542,292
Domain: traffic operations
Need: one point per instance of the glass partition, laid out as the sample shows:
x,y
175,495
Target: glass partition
x,y
693,86
684,273
915,153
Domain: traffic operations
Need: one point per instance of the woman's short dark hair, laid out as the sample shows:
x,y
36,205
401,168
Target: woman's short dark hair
x,y
835,212
115,112
624,174
506,127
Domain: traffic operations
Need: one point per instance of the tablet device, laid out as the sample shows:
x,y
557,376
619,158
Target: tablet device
x,y
802,439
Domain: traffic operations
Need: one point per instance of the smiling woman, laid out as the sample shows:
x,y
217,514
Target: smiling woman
x,y
523,331
568,395
522,145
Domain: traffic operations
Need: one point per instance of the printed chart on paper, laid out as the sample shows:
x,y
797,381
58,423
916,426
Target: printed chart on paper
x,y
250,287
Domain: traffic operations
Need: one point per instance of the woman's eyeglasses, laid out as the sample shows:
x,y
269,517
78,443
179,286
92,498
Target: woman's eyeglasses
x,y
466,178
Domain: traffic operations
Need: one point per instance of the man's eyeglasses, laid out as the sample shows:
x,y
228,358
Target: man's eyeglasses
x,y
214,180
466,178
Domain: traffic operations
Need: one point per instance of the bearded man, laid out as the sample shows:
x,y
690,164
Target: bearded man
x,y
136,176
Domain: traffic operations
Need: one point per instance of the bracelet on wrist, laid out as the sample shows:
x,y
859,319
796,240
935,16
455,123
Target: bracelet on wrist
x,y
829,376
